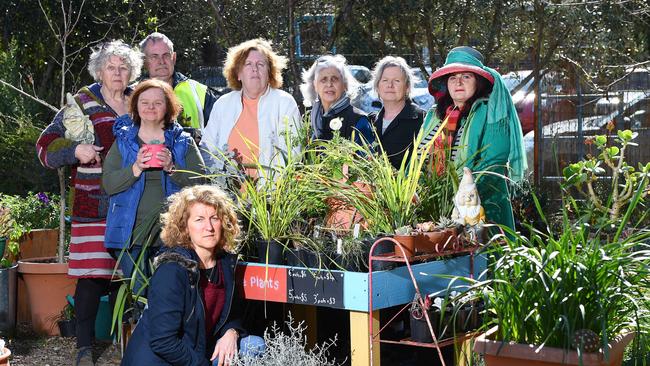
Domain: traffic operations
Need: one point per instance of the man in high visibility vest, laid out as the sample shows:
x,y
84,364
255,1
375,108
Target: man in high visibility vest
x,y
196,98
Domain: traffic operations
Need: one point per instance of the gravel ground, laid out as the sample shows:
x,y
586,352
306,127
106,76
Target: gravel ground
x,y
29,349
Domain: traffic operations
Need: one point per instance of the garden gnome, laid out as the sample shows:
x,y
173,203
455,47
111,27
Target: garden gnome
x,y
78,126
467,206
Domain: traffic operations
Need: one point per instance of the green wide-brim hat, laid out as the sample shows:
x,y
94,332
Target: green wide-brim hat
x,y
459,59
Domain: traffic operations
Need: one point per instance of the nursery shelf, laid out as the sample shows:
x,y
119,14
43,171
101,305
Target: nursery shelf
x,y
396,257
442,343
391,257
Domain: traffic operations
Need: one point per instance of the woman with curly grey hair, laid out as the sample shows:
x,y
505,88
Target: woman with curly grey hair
x,y
80,136
192,314
328,87
399,120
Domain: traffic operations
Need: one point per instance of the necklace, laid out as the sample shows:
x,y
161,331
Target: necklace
x,y
208,273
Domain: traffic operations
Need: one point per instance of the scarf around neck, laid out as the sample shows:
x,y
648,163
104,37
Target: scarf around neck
x,y
317,114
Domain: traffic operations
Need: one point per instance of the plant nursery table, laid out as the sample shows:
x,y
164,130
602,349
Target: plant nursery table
x,y
361,294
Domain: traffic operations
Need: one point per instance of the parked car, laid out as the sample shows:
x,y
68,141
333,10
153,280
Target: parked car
x,y
361,73
524,98
368,101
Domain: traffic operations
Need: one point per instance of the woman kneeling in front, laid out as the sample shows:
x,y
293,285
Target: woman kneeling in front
x,y
191,317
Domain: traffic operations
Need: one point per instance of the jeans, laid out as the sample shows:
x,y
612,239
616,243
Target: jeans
x,y
251,346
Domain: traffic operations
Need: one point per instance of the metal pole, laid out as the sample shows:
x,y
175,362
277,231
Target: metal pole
x,y
581,145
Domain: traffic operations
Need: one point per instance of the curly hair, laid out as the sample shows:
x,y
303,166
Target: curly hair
x,y
236,58
174,221
101,54
171,101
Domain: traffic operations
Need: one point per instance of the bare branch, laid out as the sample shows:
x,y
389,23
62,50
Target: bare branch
x,y
41,101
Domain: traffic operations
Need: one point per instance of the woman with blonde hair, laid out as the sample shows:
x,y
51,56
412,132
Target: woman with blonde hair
x,y
250,121
192,314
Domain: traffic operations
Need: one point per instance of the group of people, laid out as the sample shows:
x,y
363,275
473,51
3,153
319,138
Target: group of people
x,y
123,178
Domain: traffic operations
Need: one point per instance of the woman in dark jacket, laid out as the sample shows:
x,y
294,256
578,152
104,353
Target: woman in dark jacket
x,y
399,120
191,318
328,87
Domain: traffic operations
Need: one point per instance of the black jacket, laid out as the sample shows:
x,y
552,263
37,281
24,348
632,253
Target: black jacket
x,y
400,133
172,328
353,119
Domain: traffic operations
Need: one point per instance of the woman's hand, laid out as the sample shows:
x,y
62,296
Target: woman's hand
x,y
87,153
166,159
226,347
141,161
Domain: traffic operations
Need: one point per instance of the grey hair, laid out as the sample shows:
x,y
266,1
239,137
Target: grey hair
x,y
155,37
394,61
100,56
337,61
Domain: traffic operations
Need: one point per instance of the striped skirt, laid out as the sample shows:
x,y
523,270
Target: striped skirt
x,y
88,257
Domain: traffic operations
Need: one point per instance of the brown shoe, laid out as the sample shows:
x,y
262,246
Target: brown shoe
x,y
84,357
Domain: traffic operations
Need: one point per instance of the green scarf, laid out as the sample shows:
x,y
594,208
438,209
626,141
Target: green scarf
x,y
499,108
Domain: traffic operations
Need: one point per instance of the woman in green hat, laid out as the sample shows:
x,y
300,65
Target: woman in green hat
x,y
481,129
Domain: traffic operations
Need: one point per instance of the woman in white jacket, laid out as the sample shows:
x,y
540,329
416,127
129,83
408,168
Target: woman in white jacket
x,y
248,123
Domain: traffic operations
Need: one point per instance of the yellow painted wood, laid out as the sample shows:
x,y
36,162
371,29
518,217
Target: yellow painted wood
x,y
464,355
360,339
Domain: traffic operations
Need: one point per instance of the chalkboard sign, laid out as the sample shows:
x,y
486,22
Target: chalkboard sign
x,y
315,287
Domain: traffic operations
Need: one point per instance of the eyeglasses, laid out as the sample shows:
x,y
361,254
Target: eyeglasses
x,y
156,57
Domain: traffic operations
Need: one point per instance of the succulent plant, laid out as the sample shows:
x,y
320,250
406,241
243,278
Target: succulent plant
x,y
445,223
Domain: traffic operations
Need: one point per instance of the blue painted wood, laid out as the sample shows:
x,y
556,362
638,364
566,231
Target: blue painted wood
x,y
355,291
395,287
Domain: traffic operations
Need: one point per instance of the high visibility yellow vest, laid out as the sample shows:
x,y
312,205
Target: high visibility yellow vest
x,y
191,94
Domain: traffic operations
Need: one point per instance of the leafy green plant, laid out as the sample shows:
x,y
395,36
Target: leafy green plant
x,y
437,190
19,215
606,201
394,194
546,287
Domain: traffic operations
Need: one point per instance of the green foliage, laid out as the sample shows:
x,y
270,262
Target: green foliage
x,y
437,190
547,286
19,215
607,201
20,170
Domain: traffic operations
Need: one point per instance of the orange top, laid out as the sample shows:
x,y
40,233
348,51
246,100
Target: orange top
x,y
245,136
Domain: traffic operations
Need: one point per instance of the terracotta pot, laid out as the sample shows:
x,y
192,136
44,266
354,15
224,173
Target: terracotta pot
x,y
437,241
47,284
342,216
409,242
4,357
36,244
498,353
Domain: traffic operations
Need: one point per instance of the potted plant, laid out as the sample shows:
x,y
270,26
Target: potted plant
x,y
575,297
45,278
34,223
66,321
391,205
